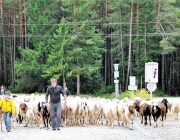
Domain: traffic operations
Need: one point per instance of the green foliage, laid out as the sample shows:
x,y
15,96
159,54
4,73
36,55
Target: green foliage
x,y
57,62
40,29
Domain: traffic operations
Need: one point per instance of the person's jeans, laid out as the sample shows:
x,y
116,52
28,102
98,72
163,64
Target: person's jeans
x,y
55,114
7,120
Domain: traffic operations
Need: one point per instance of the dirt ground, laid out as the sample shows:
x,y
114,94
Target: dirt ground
x,y
170,131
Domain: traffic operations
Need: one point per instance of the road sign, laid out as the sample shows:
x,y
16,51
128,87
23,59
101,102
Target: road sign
x,y
151,86
151,72
132,80
116,81
132,87
116,74
132,83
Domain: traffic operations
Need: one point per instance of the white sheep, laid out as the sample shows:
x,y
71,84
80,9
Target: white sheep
x,y
175,110
83,113
110,112
29,117
17,113
128,115
73,107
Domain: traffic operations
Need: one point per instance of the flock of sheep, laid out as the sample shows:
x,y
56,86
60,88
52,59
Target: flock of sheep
x,y
82,111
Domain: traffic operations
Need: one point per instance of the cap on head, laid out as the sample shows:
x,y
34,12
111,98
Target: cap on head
x,y
8,92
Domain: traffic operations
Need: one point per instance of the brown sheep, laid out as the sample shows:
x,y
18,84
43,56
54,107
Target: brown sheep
x,y
145,110
22,111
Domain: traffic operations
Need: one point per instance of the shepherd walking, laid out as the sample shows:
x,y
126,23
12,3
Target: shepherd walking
x,y
55,92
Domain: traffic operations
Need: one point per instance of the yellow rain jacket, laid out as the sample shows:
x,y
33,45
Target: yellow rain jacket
x,y
7,106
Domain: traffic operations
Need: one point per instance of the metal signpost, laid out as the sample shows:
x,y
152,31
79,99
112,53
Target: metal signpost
x,y
151,76
116,75
132,86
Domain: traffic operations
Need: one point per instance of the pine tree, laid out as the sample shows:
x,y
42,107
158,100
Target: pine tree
x,y
85,41
57,62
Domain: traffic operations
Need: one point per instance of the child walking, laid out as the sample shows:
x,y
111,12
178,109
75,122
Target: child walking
x,y
8,109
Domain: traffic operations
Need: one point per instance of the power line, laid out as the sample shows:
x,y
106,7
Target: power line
x,y
98,23
106,35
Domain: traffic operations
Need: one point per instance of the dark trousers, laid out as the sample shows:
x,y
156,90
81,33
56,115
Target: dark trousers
x,y
55,114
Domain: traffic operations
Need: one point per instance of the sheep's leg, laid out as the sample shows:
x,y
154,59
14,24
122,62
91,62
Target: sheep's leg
x,y
47,123
149,119
26,123
31,124
155,121
162,120
84,121
20,119
131,124
44,122
145,118
141,119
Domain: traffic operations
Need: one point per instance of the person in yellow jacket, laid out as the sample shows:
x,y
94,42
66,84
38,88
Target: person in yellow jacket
x,y
8,109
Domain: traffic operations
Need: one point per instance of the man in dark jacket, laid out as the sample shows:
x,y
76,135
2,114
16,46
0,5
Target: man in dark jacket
x,y
67,92
55,103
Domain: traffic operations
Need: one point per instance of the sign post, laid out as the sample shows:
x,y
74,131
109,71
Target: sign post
x,y
151,76
132,86
116,75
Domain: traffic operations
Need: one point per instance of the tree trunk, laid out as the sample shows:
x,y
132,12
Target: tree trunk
x,y
64,81
25,26
14,52
4,44
162,73
78,84
21,23
1,12
130,43
122,54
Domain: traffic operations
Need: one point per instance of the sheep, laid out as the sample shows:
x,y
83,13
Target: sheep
x,y
170,105
130,114
83,113
22,111
73,106
175,110
158,109
121,109
165,102
94,111
17,114
64,112
29,117
102,101
137,107
145,110
45,115
110,112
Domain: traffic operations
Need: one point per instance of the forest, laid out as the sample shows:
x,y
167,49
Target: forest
x,y
78,41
